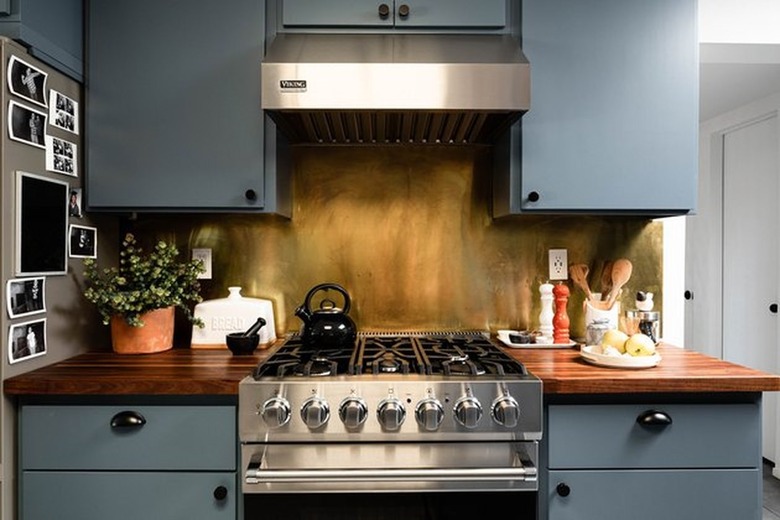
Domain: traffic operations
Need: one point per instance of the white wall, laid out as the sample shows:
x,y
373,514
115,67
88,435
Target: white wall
x,y
739,21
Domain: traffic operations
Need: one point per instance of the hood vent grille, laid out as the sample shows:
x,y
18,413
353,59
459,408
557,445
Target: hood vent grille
x,y
393,127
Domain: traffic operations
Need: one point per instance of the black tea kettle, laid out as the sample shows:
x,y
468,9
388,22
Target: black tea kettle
x,y
327,327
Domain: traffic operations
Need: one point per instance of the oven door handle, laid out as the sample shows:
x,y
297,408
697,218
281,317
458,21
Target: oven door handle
x,y
262,476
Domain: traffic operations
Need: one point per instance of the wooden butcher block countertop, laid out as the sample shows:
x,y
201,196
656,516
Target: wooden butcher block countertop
x,y
217,372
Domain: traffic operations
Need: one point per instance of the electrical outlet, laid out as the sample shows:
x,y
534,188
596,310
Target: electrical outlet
x,y
559,269
204,255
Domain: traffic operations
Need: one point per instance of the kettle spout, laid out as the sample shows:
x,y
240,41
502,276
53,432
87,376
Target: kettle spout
x,y
304,314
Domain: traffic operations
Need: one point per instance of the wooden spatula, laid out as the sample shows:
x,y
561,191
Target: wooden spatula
x,y
579,275
621,272
606,279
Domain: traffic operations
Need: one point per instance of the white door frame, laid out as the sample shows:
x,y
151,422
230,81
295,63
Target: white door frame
x,y
704,233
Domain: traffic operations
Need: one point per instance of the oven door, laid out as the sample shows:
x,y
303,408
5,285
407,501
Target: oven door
x,y
390,467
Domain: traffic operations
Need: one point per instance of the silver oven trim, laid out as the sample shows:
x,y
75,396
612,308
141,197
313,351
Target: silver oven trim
x,y
369,467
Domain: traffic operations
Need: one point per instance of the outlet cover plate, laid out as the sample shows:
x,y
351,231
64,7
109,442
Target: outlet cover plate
x,y
203,255
559,269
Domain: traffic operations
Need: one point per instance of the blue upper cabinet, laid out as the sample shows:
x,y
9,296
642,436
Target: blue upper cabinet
x,y
412,14
613,123
53,30
174,119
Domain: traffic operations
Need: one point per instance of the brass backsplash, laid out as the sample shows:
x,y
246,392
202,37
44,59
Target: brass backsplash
x,y
408,232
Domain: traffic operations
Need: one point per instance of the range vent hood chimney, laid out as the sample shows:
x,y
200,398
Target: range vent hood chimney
x,y
394,88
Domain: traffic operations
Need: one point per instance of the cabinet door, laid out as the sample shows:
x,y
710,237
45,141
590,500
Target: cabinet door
x,y
613,122
450,13
337,13
650,495
174,115
400,13
127,496
52,29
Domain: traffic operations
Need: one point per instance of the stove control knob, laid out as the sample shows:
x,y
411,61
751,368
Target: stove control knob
x,y
468,411
276,412
391,413
353,412
506,411
315,412
429,414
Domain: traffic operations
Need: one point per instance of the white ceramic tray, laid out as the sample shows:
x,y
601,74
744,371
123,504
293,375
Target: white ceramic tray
x,y
536,345
590,356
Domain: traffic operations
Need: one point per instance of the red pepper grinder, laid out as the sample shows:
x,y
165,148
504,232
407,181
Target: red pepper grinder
x,y
561,318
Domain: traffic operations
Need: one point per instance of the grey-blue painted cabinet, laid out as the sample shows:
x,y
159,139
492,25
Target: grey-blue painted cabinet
x,y
53,30
412,14
127,461
173,109
645,461
613,119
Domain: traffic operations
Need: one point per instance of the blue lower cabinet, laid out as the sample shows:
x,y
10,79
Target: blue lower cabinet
x,y
129,460
654,494
127,495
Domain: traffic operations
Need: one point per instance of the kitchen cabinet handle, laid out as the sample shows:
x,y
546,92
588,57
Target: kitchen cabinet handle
x,y
384,11
534,196
773,308
403,11
128,419
220,493
654,418
250,194
688,295
563,489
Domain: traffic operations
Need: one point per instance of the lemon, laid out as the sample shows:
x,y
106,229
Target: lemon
x,y
615,338
640,345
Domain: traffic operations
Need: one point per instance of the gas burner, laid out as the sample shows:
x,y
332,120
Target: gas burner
x,y
388,364
462,366
317,366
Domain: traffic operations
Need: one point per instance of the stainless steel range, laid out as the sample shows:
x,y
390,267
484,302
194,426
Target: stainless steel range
x,y
421,413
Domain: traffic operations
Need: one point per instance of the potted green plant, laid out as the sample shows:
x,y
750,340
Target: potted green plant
x,y
138,298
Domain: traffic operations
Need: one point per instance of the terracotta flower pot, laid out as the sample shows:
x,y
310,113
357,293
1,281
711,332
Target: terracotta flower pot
x,y
155,336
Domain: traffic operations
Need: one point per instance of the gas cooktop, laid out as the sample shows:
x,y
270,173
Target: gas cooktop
x,y
461,354
400,386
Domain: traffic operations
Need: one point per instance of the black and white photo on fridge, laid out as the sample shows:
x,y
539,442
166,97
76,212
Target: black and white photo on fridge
x,y
27,81
26,340
25,296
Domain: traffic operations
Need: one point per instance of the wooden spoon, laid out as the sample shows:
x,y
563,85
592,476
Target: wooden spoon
x,y
579,275
606,279
621,272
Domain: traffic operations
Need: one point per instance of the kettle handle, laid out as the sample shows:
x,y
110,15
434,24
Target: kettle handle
x,y
326,287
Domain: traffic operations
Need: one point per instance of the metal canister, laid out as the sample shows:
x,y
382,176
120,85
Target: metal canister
x,y
596,330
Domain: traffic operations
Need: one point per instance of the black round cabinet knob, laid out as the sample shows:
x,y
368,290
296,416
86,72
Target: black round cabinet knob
x,y
403,11
773,308
250,194
220,492
563,489
384,11
534,196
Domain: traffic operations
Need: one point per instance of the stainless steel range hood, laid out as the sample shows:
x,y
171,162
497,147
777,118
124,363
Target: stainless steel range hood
x,y
394,88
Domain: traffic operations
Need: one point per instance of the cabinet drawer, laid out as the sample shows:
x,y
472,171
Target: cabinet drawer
x,y
172,438
609,436
655,494
127,496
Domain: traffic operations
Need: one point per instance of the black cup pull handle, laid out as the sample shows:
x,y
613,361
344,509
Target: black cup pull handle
x,y
773,308
534,196
654,418
128,419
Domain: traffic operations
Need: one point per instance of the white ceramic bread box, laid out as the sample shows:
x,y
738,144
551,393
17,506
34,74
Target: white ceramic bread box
x,y
232,314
